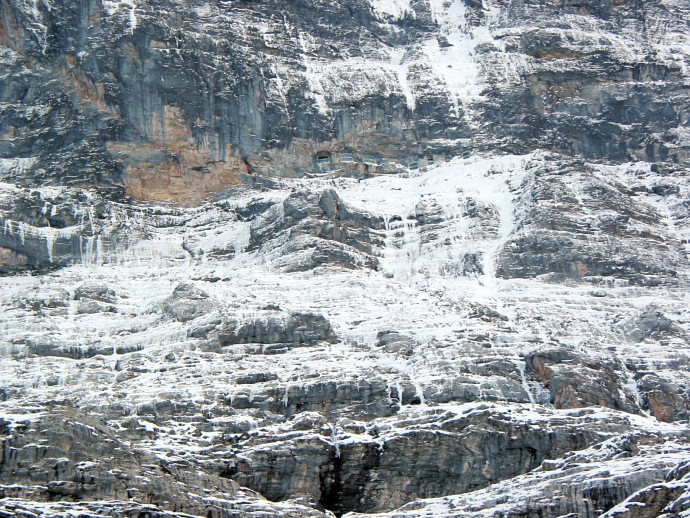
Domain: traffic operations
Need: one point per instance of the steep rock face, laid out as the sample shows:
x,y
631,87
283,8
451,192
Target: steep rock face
x,y
56,461
421,258
295,328
68,457
434,455
580,224
175,101
667,499
583,484
68,462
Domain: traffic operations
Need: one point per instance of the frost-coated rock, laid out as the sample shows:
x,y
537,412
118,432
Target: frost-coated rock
x,y
373,257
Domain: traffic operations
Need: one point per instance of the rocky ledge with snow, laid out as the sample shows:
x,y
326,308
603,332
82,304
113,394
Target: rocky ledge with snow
x,y
308,258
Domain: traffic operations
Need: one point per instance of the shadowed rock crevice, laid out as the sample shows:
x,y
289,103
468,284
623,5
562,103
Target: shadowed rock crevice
x,y
439,456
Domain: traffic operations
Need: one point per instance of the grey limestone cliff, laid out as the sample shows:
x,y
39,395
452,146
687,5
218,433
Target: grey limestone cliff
x,y
365,258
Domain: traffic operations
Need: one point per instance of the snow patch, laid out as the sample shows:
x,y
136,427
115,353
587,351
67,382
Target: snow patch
x,y
395,9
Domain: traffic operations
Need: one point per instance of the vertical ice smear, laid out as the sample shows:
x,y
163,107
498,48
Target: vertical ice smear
x,y
502,201
631,385
454,59
313,73
282,89
334,438
132,17
22,232
7,227
410,256
50,245
403,246
451,55
520,365
401,69
91,250
419,391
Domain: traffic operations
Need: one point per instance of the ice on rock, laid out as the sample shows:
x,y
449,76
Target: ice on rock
x,y
245,336
363,258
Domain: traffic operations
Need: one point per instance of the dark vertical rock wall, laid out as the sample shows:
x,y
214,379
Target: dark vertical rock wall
x,y
174,100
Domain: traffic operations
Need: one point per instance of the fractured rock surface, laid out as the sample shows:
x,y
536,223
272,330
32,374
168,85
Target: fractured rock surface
x,y
202,339
363,258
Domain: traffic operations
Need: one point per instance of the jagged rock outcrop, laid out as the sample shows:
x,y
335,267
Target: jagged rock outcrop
x,y
650,323
186,303
433,455
667,499
300,258
319,230
575,381
588,227
293,328
666,401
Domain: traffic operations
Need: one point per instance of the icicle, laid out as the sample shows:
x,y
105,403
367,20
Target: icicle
x,y
50,244
88,252
520,365
334,439
398,387
419,392
99,251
